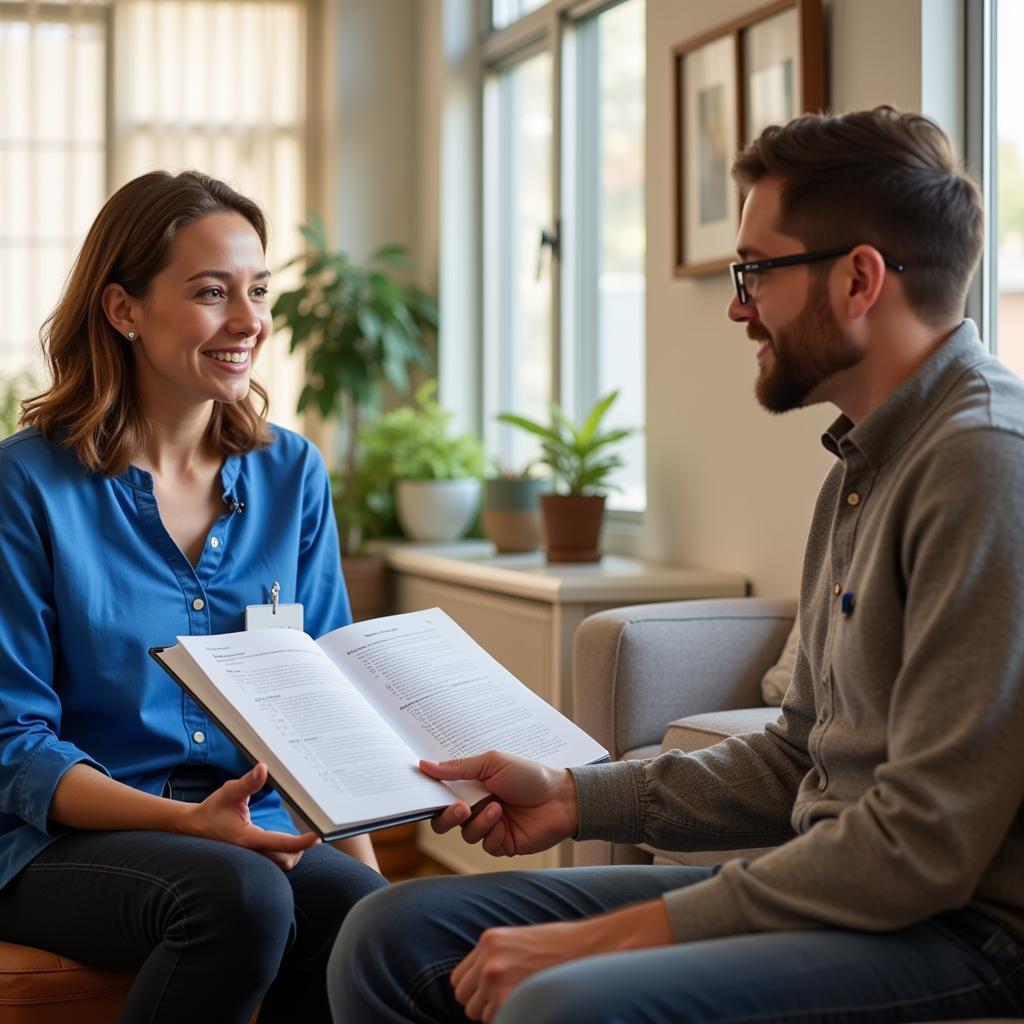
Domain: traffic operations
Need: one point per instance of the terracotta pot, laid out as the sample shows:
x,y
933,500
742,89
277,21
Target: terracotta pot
x,y
572,525
366,577
512,512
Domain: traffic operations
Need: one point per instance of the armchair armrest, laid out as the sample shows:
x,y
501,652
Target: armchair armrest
x,y
635,669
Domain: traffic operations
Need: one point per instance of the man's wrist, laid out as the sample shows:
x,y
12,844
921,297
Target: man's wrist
x,y
571,802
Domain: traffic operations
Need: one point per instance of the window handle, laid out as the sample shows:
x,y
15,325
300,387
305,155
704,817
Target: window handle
x,y
548,240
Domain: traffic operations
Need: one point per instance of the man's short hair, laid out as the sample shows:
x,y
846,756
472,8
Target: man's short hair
x,y
880,177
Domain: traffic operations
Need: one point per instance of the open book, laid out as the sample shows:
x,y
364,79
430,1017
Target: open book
x,y
342,721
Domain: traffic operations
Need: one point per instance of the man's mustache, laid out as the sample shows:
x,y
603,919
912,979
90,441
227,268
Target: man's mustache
x,y
758,332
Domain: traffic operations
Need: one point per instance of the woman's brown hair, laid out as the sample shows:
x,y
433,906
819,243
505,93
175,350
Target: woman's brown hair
x,y
92,407
883,177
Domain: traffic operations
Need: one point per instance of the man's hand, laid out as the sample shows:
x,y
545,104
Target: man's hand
x,y
535,806
506,956
224,815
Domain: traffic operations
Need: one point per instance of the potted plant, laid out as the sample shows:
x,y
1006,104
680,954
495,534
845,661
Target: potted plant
x,y
360,327
580,463
415,468
511,518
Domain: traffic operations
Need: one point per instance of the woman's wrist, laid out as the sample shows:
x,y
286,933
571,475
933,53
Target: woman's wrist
x,y
182,818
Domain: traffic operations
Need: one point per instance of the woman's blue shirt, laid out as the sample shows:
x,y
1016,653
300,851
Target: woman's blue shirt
x,y
90,580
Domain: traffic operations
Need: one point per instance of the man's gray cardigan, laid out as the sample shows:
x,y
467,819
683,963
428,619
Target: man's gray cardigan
x,y
893,779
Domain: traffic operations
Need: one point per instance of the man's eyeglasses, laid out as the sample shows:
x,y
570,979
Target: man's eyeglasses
x,y
744,275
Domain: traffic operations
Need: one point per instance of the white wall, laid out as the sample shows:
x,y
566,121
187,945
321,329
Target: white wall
x,y
730,486
378,185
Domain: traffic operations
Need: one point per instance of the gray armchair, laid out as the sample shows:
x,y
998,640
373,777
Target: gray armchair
x,y
678,675
683,674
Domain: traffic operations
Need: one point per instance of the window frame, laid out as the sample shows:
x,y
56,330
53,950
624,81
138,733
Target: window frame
x,y
981,155
545,28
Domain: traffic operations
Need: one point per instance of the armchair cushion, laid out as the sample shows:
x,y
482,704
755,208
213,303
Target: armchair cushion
x,y
705,730
37,987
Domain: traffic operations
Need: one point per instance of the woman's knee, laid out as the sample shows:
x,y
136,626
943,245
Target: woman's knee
x,y
238,894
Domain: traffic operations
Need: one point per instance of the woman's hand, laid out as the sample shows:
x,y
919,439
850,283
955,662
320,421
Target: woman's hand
x,y
224,815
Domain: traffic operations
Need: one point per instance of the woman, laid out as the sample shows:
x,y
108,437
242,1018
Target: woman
x,y
150,499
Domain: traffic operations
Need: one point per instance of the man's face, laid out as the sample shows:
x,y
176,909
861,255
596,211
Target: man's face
x,y
803,345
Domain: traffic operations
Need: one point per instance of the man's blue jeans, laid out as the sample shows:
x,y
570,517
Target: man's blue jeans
x,y
398,947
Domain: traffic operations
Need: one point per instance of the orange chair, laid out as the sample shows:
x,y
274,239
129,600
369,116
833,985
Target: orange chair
x,y
42,988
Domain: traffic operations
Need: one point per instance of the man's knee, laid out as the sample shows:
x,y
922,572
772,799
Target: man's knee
x,y
392,942
377,926
556,996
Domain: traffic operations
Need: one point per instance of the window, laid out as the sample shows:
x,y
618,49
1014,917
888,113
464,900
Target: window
x,y
508,11
604,230
517,204
52,159
78,120
1008,227
564,284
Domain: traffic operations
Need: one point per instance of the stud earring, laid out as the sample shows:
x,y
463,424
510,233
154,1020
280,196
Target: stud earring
x,y
132,335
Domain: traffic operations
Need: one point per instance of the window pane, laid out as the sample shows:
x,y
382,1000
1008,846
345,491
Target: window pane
x,y
194,103
1010,201
603,333
51,161
507,11
517,301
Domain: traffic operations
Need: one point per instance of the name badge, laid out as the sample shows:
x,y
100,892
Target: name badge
x,y
274,615
265,616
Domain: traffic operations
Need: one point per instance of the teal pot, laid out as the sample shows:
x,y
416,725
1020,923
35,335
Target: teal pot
x,y
512,512
436,510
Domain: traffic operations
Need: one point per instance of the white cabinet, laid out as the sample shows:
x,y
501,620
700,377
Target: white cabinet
x,y
525,613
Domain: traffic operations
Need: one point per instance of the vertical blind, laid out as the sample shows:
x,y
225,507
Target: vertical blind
x,y
93,94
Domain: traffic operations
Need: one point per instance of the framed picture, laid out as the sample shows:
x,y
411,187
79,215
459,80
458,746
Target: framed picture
x,y
730,84
707,134
783,67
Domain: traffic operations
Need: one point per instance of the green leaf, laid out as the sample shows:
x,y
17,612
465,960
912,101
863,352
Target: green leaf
x,y
313,237
369,324
596,415
392,255
530,426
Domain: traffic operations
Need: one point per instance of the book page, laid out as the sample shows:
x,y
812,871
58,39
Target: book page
x,y
320,728
447,697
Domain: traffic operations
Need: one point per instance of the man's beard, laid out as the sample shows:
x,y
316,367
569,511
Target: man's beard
x,y
806,352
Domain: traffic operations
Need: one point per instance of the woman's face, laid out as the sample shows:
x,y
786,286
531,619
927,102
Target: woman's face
x,y
206,315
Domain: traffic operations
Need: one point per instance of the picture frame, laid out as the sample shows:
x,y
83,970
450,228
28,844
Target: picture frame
x,y
730,83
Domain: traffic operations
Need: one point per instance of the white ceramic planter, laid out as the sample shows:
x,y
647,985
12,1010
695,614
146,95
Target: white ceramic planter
x,y
436,509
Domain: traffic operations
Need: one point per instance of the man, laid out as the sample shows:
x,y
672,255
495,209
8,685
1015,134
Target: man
x,y
893,780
